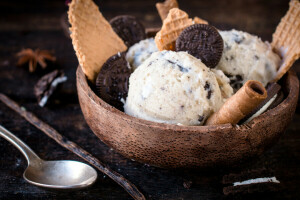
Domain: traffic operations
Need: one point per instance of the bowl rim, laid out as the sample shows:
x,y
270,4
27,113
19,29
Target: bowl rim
x,y
292,92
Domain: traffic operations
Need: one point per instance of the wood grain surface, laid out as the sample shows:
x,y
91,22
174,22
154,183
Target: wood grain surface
x,y
36,24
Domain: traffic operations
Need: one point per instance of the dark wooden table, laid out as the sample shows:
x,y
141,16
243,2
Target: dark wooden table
x,y
36,24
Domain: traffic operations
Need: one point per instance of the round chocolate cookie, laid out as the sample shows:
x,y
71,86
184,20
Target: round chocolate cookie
x,y
112,80
129,29
201,41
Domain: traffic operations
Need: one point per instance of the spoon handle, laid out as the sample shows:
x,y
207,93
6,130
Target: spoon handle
x,y
26,151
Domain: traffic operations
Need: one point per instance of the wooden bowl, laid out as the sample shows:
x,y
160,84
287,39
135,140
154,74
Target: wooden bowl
x,y
173,146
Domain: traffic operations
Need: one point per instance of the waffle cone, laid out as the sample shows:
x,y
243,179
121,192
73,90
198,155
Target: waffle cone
x,y
164,8
92,36
198,20
176,21
240,104
286,39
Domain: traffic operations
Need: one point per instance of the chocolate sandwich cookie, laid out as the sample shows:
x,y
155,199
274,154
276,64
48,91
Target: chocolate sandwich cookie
x,y
112,80
203,42
270,102
48,85
277,101
129,29
251,181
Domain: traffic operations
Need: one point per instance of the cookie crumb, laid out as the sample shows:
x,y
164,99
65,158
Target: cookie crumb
x,y
187,184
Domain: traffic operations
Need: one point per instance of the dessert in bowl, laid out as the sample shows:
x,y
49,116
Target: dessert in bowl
x,y
172,145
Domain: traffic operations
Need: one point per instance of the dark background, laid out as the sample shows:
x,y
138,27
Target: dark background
x,y
37,24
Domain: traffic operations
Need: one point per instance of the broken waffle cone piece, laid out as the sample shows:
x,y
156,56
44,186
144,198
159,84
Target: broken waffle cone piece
x,y
164,8
176,21
286,39
198,20
92,36
240,104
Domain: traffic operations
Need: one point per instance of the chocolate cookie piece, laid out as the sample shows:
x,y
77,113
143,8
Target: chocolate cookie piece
x,y
251,181
202,41
272,89
47,86
236,81
277,101
112,80
129,29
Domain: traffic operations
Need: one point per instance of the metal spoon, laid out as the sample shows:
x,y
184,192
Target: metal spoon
x,y
63,174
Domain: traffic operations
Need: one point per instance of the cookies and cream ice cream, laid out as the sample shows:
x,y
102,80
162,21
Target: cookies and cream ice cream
x,y
140,51
176,88
247,57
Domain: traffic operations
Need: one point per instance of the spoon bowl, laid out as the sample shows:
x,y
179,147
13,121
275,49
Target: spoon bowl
x,y
64,174
61,174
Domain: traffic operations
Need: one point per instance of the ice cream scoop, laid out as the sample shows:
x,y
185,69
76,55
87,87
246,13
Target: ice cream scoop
x,y
174,87
247,57
139,52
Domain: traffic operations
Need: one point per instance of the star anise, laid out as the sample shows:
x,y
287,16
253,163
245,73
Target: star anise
x,y
34,57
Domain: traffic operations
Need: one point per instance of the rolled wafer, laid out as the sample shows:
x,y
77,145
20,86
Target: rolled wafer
x,y
164,8
92,36
240,104
272,90
176,21
286,39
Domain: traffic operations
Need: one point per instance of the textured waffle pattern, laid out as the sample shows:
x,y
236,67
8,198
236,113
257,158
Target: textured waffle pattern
x,y
92,36
198,20
176,21
164,8
286,39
